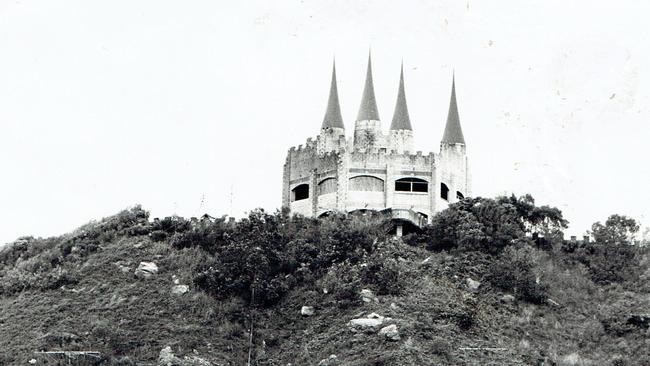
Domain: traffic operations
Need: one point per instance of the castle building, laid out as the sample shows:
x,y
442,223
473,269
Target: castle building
x,y
375,171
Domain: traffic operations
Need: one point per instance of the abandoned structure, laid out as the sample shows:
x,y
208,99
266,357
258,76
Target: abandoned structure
x,y
375,171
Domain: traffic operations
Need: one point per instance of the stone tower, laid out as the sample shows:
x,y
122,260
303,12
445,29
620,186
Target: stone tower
x,y
373,170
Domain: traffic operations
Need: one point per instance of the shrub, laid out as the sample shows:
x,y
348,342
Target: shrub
x,y
263,256
609,263
383,276
513,271
476,224
467,317
489,225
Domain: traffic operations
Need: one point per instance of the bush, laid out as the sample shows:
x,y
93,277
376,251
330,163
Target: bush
x,y
609,263
264,256
383,276
513,271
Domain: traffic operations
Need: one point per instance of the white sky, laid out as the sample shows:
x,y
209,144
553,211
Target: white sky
x,y
176,105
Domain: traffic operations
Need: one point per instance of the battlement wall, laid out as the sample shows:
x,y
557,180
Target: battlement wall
x,y
381,158
304,159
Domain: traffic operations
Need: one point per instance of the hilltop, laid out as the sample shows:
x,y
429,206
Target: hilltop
x,y
475,288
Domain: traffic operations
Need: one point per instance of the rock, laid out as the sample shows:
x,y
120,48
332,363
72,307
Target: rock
x,y
507,298
472,284
390,332
180,289
175,280
394,306
307,311
60,338
122,268
552,302
167,358
194,361
146,269
371,322
330,361
426,260
32,361
368,296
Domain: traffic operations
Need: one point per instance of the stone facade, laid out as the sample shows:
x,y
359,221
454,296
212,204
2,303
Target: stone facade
x,y
374,170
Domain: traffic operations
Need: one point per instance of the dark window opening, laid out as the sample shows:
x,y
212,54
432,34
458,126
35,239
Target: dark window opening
x,y
300,192
459,195
411,185
444,191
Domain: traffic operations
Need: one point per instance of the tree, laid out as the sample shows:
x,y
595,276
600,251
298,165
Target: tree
x,y
618,229
476,224
492,224
534,219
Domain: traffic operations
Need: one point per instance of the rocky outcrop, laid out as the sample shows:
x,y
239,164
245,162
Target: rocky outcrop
x,y
472,284
146,270
390,332
368,296
307,311
370,323
180,289
330,361
167,358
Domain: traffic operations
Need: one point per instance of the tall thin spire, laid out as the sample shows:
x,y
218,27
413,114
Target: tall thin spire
x,y
333,116
453,133
401,120
368,108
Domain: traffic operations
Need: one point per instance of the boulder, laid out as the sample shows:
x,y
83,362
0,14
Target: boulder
x,y
390,332
180,289
122,267
507,299
371,322
195,361
146,269
472,284
368,296
167,358
330,361
307,311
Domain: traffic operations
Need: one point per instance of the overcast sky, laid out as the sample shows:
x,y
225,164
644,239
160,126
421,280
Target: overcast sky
x,y
190,107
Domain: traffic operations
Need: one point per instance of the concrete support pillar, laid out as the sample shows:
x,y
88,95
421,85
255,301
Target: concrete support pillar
x,y
399,229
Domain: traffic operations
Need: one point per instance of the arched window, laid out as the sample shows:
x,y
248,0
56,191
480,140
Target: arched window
x,y
366,183
459,195
411,185
444,191
327,185
300,192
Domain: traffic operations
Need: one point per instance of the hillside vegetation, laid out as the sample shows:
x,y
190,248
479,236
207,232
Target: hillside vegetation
x,y
490,282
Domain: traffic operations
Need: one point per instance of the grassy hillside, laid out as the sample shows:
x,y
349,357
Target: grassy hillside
x,y
494,299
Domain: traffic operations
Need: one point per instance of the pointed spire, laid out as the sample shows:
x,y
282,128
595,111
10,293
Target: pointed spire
x,y
368,108
333,113
401,120
453,133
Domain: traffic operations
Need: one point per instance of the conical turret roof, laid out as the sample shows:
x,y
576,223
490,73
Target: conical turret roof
x,y
401,120
453,133
368,108
333,116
